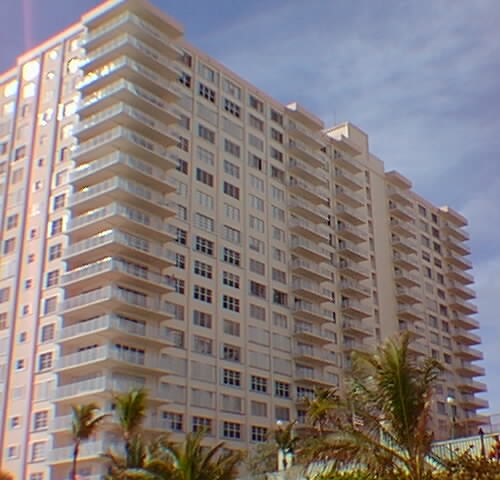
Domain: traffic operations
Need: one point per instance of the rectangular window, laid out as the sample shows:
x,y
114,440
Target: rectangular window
x,y
230,279
55,251
4,294
49,305
257,183
255,103
257,289
231,88
12,221
276,117
9,246
45,361
256,224
47,333
183,143
181,236
231,169
231,234
182,166
231,378
256,245
202,345
277,136
174,421
231,190
202,294
232,148
255,162
203,222
202,319
231,328
259,434
56,226
202,423
281,389
206,92
180,261
206,133
258,384
202,269
280,298
257,267
52,278
230,303
38,451
232,212
59,201
185,79
206,157
256,202
231,256
40,420
204,177
204,246
279,276
257,312
231,430
232,108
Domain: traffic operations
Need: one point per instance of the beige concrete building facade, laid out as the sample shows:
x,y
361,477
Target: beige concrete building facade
x,y
166,224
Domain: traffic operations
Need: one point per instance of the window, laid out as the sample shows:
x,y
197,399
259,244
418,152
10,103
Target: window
x,y
232,108
20,152
4,294
55,251
174,421
256,202
180,286
232,212
204,246
202,423
255,103
277,136
278,213
255,162
56,226
185,121
256,224
230,303
258,409
232,148
45,361
206,92
231,328
59,201
257,267
280,298
205,156
277,174
231,430
258,384
206,133
182,166
231,234
259,434
47,333
202,345
278,255
256,245
231,279
175,336
278,234
203,222
185,79
17,175
279,276
4,322
40,420
202,319
256,142
9,246
19,364
257,183
257,313
257,289
13,451
15,422
231,169
204,177
202,269
52,278
12,221
49,305
202,294
183,143
281,389
231,378
181,236
231,256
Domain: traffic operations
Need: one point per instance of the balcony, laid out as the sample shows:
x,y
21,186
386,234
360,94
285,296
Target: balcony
x,y
124,140
306,153
415,331
343,160
455,245
418,348
410,313
313,271
407,278
131,94
313,139
349,197
88,450
315,232
113,299
116,215
408,295
405,229
111,270
313,334
310,250
462,306
353,270
312,193
135,72
125,166
470,385
407,262
311,312
468,353
463,321
405,214
130,24
465,337
459,275
115,242
455,260
129,46
121,190
314,378
355,216
350,346
470,401
405,245
313,355
461,290
348,179
306,172
469,369
457,232
352,251
313,213
351,288
310,291
399,195
349,232
356,328
354,308
110,326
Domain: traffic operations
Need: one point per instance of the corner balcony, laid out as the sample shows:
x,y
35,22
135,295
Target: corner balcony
x,y
115,242
313,271
314,194
465,337
109,327
410,313
317,233
468,353
399,195
111,270
461,290
313,355
124,140
343,160
455,260
131,94
310,250
407,278
355,328
125,166
128,117
457,232
460,320
135,72
349,197
469,369
352,251
461,306
355,216
405,229
310,174
116,215
349,232
113,299
405,245
406,214
353,270
351,288
311,312
313,334
314,378
455,245
348,179
312,138
470,401
313,213
311,291
354,308
408,295
470,385
407,262
133,25
459,275
306,153
131,47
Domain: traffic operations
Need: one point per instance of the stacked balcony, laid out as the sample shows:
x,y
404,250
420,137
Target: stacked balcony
x,y
115,311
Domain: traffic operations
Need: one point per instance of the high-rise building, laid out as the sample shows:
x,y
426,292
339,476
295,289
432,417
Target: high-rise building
x,y
166,224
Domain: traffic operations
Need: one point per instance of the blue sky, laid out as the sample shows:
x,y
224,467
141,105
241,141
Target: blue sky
x,y
422,78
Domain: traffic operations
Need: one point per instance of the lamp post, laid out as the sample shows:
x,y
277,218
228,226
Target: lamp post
x,y
450,400
481,437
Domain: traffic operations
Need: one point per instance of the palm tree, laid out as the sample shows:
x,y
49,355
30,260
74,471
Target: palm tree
x,y
323,408
390,397
84,423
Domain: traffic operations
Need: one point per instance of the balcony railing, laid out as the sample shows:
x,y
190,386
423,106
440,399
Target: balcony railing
x,y
312,267
319,353
313,309
352,285
317,229
302,149
345,177
317,175
298,242
318,212
313,192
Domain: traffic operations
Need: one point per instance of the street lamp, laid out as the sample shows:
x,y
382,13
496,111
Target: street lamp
x,y
481,437
450,400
